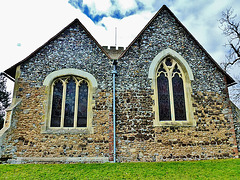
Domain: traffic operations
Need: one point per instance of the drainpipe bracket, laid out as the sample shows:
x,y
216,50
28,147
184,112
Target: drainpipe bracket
x,y
114,72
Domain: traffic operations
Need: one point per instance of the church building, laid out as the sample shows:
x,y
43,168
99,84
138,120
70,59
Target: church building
x,y
163,98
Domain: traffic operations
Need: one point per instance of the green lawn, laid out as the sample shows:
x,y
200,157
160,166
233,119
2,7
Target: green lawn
x,y
214,169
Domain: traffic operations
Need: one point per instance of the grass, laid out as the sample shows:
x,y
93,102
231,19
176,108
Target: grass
x,y
212,169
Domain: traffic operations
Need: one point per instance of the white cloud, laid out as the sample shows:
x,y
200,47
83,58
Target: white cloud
x,y
127,29
155,5
126,5
98,7
201,20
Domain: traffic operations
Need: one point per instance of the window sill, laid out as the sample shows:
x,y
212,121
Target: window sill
x,y
176,123
84,130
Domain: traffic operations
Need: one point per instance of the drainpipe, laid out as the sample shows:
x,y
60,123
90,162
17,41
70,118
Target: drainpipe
x,y
114,72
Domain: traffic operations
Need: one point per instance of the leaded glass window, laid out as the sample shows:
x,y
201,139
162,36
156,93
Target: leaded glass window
x,y
69,102
170,91
82,105
163,96
57,104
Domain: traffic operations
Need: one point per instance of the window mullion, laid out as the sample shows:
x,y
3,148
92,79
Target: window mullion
x,y
76,104
63,103
171,95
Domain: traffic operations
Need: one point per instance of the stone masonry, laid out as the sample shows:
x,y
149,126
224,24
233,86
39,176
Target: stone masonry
x,y
72,49
138,139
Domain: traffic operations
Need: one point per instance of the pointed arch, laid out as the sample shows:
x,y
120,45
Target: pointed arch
x,y
176,56
172,69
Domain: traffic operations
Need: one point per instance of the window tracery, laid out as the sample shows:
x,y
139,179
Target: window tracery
x,y
170,87
69,102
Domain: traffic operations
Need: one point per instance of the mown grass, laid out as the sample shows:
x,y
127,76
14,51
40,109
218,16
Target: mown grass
x,y
213,169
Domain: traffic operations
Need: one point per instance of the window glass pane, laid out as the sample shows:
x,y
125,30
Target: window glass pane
x,y
179,100
161,69
82,105
163,98
57,105
70,104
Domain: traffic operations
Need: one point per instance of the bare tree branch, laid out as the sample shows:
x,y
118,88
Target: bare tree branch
x,y
230,26
236,51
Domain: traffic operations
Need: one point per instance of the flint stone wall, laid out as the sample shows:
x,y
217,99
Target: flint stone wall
x,y
72,49
137,139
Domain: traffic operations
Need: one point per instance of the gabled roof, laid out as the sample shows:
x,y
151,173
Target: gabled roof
x,y
12,70
230,80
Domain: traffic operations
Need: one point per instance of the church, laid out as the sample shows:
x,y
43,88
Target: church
x,y
163,98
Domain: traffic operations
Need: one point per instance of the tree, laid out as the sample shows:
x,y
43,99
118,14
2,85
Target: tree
x,y
231,29
4,98
230,26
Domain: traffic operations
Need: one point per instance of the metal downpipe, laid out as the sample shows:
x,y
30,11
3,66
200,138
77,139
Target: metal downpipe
x,y
114,72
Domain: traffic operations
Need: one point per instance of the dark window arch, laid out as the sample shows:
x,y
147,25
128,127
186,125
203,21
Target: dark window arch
x,y
170,88
69,102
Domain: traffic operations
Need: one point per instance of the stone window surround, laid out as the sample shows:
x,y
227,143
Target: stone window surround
x,y
92,86
64,81
187,73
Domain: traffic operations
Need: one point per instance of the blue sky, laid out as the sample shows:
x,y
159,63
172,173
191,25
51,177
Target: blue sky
x,y
27,24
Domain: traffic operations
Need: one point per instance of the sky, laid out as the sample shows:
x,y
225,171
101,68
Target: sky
x,y
28,24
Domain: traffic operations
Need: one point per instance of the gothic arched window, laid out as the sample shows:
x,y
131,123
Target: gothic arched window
x,y
69,102
171,78
170,91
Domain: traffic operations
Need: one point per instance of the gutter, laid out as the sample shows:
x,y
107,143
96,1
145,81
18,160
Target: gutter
x,y
114,72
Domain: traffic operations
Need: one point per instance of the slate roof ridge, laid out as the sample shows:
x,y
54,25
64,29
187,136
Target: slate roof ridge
x,y
230,80
12,70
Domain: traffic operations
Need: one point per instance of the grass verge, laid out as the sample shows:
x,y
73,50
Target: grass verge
x,y
211,169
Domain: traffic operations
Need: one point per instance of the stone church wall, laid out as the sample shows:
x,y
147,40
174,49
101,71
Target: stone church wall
x,y
73,49
236,120
138,139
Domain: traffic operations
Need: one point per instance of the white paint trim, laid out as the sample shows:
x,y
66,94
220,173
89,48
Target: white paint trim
x,y
48,80
175,55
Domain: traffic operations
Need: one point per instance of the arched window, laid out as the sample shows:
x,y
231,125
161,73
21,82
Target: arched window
x,y
69,102
171,80
170,88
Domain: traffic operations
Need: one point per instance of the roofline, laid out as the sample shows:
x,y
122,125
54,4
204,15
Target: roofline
x,y
13,68
230,80
6,75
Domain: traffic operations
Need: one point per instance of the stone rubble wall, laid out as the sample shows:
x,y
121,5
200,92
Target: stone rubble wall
x,y
138,138
236,120
73,49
